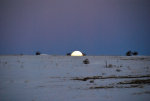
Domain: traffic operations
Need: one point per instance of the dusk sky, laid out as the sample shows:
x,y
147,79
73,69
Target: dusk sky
x,y
95,27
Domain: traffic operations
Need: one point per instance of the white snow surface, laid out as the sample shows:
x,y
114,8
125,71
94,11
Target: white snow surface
x,y
66,78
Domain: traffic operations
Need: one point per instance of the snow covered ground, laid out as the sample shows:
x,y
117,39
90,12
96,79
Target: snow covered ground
x,y
66,78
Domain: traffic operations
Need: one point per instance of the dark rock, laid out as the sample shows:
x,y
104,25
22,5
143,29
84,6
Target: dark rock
x,y
91,81
68,54
86,61
38,53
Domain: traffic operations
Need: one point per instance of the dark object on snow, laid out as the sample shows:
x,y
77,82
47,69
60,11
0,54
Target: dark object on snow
x,y
129,53
68,54
91,81
84,54
86,61
38,53
135,53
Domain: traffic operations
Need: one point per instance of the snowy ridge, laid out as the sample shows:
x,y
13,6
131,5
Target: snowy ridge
x,y
66,78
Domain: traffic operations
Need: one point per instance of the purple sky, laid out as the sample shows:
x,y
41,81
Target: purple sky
x,y
95,27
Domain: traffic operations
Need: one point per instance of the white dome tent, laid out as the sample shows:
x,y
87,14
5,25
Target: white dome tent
x,y
76,53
